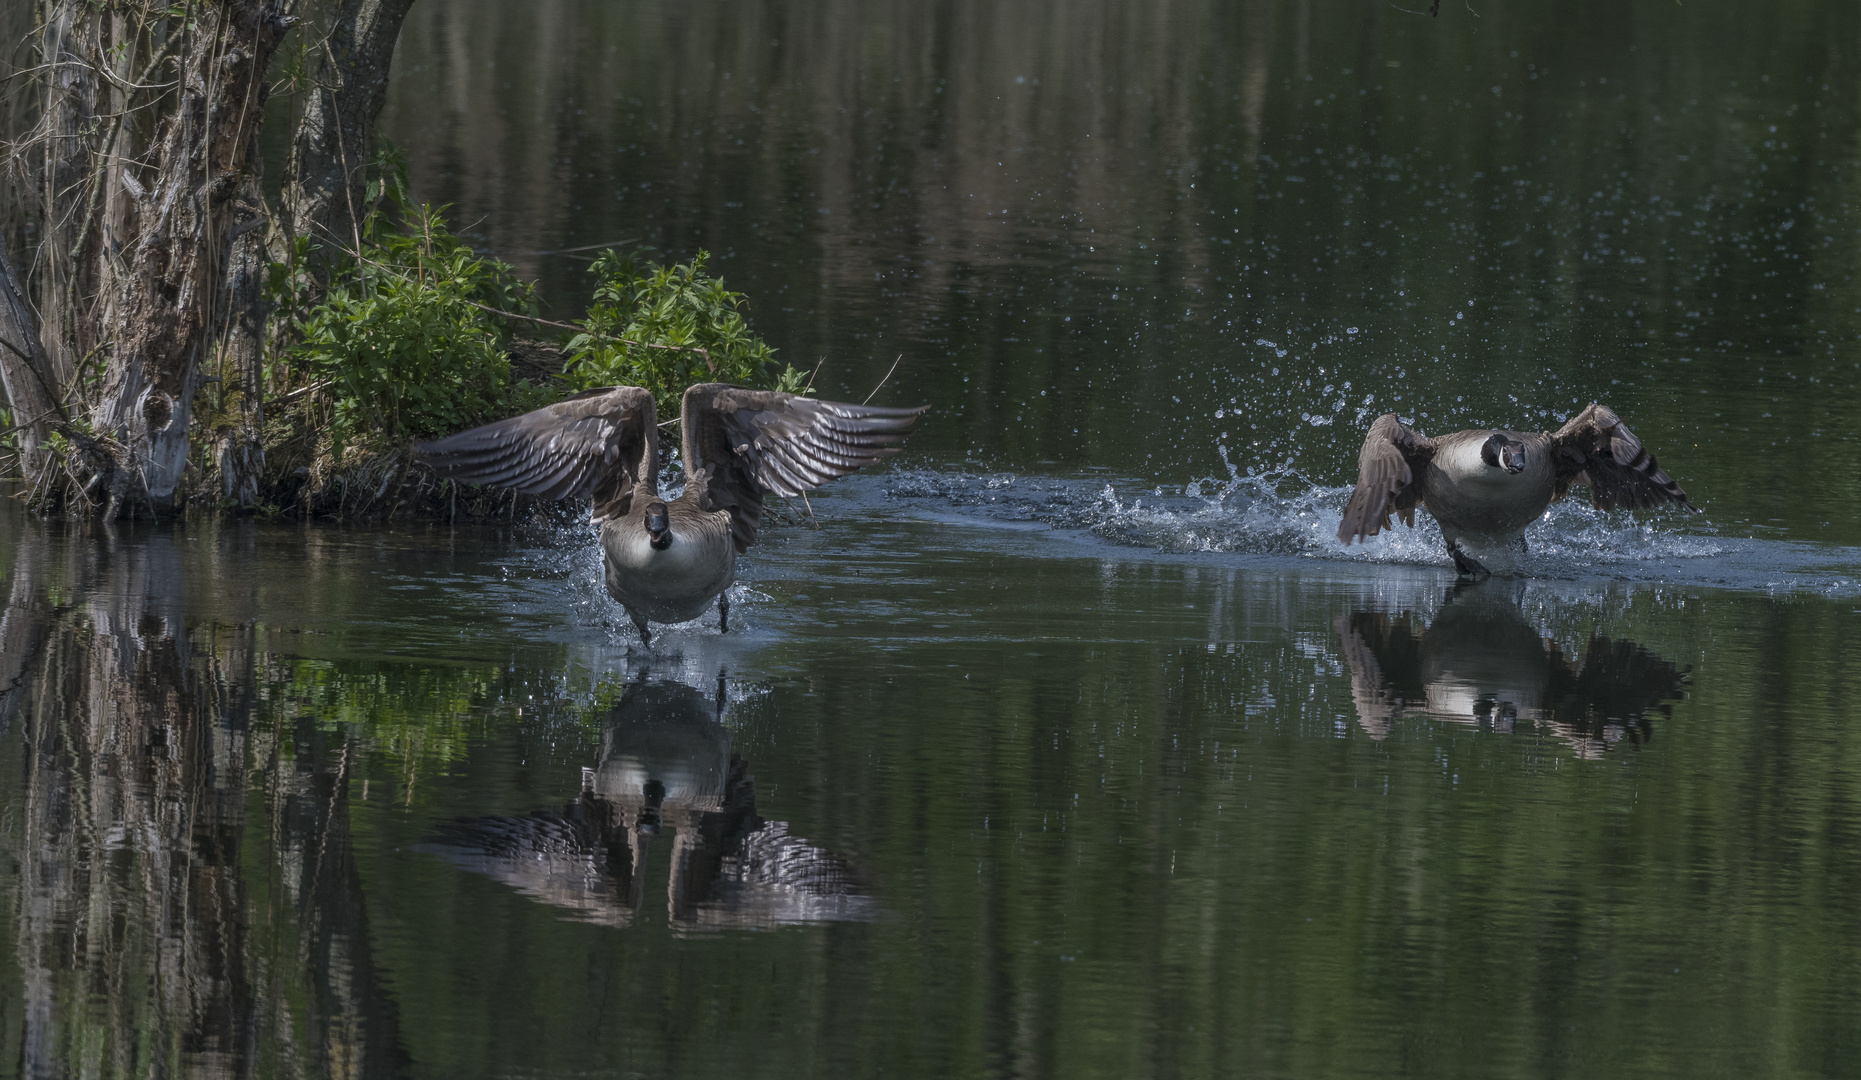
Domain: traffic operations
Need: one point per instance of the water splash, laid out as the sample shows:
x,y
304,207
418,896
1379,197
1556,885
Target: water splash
x,y
1282,512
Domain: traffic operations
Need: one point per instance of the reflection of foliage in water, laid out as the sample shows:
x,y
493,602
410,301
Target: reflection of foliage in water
x,y
418,719
181,870
183,893
1130,803
416,713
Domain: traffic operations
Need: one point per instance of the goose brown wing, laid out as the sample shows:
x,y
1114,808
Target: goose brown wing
x,y
597,445
1596,449
1387,482
750,442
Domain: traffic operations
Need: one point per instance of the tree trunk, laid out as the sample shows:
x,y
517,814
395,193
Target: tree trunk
x,y
20,96
139,176
26,374
324,184
65,149
241,453
174,264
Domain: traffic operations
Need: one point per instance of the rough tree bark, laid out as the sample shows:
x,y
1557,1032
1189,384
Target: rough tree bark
x,y
334,136
324,182
65,150
139,185
174,262
26,375
20,95
240,451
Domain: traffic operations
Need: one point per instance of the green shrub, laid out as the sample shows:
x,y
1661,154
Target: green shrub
x,y
413,331
664,328
403,331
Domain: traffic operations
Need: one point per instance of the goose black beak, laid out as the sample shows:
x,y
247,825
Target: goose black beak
x,y
1504,452
658,527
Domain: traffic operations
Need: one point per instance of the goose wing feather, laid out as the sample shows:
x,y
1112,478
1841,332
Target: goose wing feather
x,y
1596,449
598,445
1388,470
745,443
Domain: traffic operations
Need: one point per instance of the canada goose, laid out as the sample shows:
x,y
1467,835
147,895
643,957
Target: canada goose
x,y
667,769
1484,487
666,560
1480,662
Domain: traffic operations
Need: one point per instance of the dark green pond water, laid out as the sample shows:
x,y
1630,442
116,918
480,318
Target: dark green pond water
x,y
1070,743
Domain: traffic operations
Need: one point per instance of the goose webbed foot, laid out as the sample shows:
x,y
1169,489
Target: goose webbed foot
x,y
723,613
1465,563
646,636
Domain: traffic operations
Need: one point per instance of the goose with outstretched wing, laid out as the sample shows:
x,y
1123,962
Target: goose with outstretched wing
x,y
667,559
1484,486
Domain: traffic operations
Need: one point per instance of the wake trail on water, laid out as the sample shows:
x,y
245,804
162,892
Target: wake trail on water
x,y
1273,520
1281,514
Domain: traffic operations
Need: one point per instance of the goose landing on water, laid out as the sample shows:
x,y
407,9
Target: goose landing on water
x,y
666,560
1484,487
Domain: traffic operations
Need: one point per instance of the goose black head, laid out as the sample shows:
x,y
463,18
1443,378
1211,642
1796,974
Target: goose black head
x,y
658,526
1504,452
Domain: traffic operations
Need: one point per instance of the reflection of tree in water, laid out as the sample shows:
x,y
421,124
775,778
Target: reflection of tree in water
x,y
156,927
666,767
1479,662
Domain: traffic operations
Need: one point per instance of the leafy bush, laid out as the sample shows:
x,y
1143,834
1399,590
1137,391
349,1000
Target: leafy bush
x,y
664,328
403,329
413,330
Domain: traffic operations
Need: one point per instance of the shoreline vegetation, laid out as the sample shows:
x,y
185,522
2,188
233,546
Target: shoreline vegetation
x,y
415,336
176,338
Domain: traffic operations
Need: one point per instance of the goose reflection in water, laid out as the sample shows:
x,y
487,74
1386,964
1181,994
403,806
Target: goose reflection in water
x,y
1480,662
666,768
